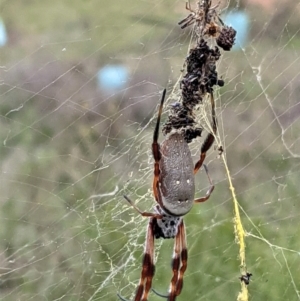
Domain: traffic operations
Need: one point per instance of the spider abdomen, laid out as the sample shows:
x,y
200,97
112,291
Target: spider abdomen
x,y
176,182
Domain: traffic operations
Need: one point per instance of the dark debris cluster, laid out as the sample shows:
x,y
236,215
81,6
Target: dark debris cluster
x,y
201,74
182,120
226,38
199,80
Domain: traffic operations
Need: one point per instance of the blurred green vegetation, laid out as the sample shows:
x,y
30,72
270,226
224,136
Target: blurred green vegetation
x,y
70,151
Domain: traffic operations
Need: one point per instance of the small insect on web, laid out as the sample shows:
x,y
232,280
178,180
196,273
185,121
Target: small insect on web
x,y
203,16
209,24
246,278
174,191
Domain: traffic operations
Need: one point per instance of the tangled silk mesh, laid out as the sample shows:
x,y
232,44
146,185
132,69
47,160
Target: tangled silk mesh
x,y
70,150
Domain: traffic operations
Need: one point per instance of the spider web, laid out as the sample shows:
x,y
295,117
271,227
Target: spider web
x,y
71,149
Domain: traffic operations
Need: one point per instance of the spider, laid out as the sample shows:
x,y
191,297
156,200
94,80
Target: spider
x,y
212,29
174,190
203,16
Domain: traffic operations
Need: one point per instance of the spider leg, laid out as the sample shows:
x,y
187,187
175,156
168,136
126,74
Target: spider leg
x,y
188,6
187,24
148,267
156,149
184,258
176,261
142,213
214,7
210,190
179,265
157,156
159,294
188,18
210,138
220,20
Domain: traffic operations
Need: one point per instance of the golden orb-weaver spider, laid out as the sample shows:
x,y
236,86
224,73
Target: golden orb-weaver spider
x,y
174,190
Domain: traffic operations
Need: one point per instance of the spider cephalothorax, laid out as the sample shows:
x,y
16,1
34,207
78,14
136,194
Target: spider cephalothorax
x,y
167,226
174,191
208,23
203,16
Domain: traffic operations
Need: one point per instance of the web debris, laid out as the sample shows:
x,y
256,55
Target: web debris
x,y
198,82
